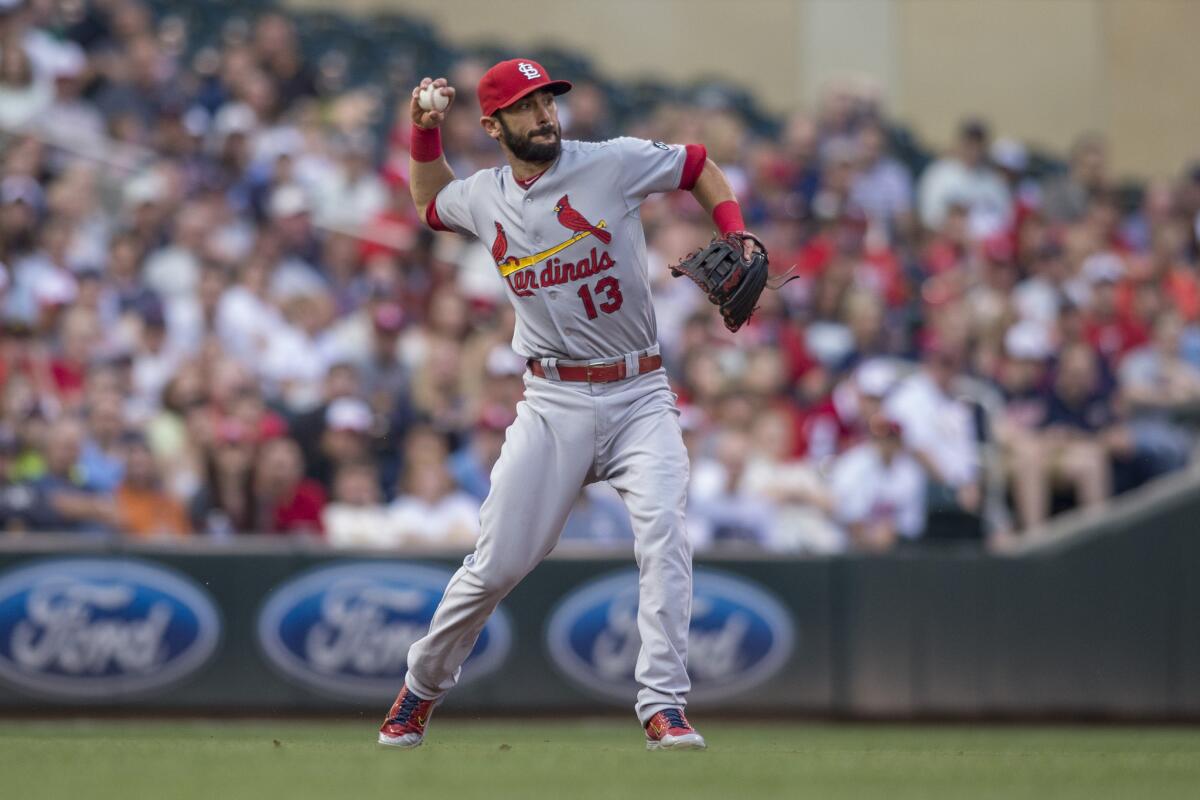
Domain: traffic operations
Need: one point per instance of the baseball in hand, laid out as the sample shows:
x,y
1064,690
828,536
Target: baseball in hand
x,y
432,99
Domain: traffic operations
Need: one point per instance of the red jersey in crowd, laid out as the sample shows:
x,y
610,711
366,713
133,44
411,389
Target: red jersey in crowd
x,y
1180,288
1114,336
829,427
301,513
876,268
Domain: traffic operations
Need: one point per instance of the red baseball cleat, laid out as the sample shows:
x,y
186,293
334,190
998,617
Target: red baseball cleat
x,y
405,723
670,730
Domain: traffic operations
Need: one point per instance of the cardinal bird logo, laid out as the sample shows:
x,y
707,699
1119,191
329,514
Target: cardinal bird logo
x,y
569,218
506,263
572,220
500,246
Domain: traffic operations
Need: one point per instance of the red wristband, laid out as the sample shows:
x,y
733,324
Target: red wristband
x,y
728,216
426,144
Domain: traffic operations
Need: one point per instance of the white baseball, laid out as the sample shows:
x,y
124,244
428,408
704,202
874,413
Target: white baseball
x,y
432,99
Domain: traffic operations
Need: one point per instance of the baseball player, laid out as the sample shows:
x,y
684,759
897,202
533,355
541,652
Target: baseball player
x,y
562,220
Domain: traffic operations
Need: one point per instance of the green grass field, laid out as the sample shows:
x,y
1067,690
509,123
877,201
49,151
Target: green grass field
x,y
591,759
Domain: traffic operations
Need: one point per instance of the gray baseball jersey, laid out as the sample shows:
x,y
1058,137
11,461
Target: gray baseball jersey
x,y
571,247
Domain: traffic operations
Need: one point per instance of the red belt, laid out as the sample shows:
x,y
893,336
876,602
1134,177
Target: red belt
x,y
597,373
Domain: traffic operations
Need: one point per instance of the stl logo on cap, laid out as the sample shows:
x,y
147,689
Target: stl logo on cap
x,y
509,81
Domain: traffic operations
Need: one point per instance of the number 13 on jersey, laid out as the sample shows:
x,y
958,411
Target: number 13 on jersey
x,y
607,286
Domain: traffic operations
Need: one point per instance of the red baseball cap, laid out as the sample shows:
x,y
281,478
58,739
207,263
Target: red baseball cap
x,y
509,81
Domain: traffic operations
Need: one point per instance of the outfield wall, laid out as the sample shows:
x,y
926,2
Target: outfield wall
x,y
1104,621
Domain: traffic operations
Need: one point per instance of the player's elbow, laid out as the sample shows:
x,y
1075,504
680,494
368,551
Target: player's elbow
x,y
426,206
709,172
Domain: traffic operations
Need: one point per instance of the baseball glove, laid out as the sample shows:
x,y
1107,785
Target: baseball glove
x,y
731,282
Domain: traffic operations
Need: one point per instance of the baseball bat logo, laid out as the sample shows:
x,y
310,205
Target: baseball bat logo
x,y
579,225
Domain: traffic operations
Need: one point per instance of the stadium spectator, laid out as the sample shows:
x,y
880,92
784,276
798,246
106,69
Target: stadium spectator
x,y
1065,198
1078,433
173,271
78,339
724,511
285,501
879,489
344,438
357,517
471,465
882,187
224,504
350,194
839,420
143,508
177,431
308,427
153,359
1021,377
938,428
25,93
1040,296
587,115
1111,332
801,501
20,209
386,379
70,118
967,178
63,502
436,393
428,509
277,50
1164,269
1155,384
102,457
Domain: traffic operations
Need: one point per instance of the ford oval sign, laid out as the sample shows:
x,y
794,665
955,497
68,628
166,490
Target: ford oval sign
x,y
102,628
346,630
740,636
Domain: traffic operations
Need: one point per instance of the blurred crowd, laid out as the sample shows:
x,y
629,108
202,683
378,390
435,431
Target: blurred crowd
x,y
221,316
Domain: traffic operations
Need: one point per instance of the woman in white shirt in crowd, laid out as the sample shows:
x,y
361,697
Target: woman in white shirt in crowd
x,y
357,517
429,510
879,489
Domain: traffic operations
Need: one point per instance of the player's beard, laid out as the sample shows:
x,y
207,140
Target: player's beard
x,y
529,151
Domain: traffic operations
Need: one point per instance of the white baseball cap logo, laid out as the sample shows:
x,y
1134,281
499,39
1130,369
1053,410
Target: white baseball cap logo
x,y
529,70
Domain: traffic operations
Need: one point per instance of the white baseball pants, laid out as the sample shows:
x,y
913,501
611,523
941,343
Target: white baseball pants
x,y
568,434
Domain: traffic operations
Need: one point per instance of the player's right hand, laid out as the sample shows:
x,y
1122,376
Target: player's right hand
x,y
430,119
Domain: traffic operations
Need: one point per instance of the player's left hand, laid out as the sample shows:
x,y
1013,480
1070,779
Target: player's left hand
x,y
751,244
732,271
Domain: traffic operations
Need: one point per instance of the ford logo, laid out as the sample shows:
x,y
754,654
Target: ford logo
x,y
102,628
346,630
740,636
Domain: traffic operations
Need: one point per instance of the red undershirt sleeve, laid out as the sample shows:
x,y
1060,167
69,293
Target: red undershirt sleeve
x,y
432,219
693,165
